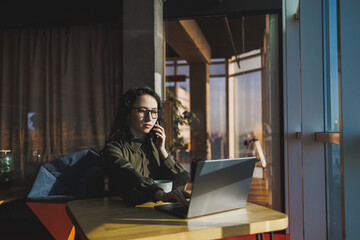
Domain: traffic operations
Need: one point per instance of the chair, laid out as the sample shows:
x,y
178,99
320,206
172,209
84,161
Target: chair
x,y
75,176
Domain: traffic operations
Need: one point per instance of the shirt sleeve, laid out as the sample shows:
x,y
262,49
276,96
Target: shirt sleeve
x,y
124,180
175,171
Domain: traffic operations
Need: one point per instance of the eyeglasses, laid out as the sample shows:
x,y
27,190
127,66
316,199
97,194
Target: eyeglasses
x,y
143,112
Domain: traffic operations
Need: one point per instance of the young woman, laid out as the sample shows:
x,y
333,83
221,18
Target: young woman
x,y
135,153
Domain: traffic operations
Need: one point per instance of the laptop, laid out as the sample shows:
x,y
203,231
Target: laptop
x,y
219,185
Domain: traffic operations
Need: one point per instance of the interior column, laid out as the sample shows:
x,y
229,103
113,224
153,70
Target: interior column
x,y
200,105
143,45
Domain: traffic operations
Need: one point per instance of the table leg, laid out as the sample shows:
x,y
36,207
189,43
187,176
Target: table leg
x,y
261,236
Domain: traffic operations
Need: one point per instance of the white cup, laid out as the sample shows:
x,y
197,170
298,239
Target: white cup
x,y
166,185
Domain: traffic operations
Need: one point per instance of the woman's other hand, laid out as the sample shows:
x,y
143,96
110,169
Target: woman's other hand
x,y
160,140
176,195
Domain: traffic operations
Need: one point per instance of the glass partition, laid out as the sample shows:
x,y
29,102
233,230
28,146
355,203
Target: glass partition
x,y
331,87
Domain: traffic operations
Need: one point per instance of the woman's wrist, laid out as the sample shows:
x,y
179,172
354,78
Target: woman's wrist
x,y
164,154
159,194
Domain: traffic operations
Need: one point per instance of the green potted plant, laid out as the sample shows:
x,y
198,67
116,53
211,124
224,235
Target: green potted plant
x,y
181,116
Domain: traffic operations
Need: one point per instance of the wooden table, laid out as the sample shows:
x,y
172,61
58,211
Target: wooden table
x,y
111,218
13,193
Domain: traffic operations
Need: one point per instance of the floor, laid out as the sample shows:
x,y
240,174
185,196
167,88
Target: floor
x,y
277,236
17,222
259,193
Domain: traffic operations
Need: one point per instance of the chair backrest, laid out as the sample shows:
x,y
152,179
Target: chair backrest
x,y
67,178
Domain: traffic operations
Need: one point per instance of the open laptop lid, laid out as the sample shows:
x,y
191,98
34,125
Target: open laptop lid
x,y
221,185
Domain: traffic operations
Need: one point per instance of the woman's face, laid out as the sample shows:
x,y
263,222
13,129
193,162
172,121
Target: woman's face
x,y
140,118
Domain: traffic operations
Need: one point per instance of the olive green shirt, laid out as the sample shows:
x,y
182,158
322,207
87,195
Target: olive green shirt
x,y
132,166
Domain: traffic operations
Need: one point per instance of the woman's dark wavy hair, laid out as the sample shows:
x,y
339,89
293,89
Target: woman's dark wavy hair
x,y
119,125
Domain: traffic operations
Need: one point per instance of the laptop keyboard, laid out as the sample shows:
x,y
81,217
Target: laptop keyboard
x,y
176,209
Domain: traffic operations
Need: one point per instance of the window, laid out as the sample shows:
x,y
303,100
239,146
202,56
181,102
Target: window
x,y
331,83
244,85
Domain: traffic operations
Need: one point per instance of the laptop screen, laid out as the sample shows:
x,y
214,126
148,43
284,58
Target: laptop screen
x,y
221,185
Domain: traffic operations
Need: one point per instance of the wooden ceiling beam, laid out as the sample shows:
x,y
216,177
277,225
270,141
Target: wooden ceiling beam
x,y
187,39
